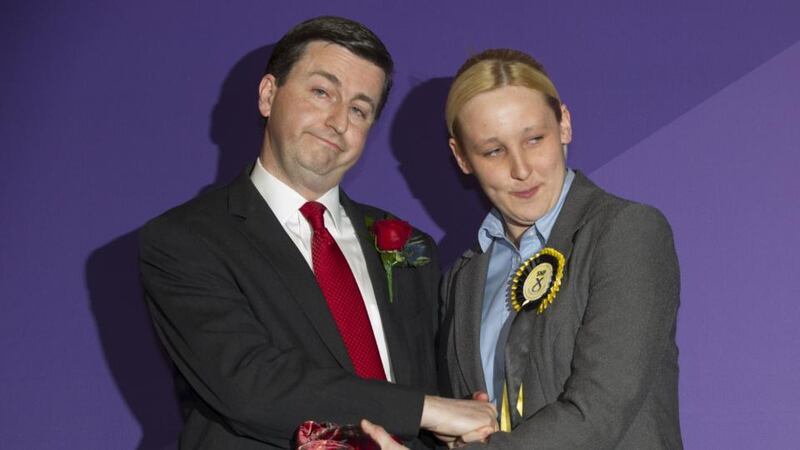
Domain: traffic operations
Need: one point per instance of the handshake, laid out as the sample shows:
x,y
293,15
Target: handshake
x,y
455,422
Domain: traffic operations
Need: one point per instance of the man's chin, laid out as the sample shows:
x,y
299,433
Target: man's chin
x,y
319,182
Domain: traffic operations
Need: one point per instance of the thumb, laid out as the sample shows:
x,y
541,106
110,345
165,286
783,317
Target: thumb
x,y
380,436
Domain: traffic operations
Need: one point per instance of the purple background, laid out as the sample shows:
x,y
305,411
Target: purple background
x,y
112,112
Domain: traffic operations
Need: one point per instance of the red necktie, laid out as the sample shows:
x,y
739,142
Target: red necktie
x,y
344,298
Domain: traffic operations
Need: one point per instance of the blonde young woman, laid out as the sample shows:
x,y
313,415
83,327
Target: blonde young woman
x,y
564,312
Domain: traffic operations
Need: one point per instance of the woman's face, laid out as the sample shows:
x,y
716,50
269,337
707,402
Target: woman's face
x,y
511,141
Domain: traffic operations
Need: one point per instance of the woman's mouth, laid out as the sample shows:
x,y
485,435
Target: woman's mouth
x,y
527,193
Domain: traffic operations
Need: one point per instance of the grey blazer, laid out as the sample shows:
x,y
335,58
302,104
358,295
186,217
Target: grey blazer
x,y
599,368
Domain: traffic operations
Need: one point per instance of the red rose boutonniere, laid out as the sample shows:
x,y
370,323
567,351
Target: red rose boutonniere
x,y
391,235
396,246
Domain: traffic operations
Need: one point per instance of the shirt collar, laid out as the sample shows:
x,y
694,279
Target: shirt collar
x,y
285,202
492,227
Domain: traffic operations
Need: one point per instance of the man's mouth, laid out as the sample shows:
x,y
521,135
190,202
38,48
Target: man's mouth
x,y
329,143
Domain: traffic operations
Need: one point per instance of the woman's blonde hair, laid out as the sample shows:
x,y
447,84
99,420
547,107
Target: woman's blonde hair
x,y
492,69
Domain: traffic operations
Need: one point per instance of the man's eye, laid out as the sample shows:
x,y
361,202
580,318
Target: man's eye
x,y
319,92
492,152
359,112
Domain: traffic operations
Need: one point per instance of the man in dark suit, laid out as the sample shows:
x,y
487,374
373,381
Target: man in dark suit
x,y
269,294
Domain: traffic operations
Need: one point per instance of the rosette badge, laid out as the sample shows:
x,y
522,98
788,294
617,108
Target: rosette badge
x,y
537,281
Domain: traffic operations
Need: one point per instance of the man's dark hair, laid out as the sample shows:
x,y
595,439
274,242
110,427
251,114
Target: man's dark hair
x,y
345,32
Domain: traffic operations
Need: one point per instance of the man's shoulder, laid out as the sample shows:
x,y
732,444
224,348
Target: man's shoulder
x,y
208,206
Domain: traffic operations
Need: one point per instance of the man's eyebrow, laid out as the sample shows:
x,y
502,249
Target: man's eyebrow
x,y
335,80
327,75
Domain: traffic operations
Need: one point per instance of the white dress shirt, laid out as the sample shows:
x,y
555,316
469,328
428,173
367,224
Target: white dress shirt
x,y
285,203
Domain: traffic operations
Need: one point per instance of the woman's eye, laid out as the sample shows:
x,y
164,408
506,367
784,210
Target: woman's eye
x,y
319,92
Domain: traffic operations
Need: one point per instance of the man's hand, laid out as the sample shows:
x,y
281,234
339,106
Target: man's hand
x,y
456,422
479,435
469,420
379,435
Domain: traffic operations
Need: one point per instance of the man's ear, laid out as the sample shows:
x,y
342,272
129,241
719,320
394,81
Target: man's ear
x,y
266,94
565,125
458,154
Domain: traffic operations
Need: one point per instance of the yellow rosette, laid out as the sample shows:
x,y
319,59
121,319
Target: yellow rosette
x,y
538,280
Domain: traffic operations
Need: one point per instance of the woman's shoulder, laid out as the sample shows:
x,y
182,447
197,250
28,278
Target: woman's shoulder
x,y
609,210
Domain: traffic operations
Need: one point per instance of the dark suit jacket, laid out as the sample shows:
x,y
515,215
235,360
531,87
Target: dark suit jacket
x,y
256,349
599,368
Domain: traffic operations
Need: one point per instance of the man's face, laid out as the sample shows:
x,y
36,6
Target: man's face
x,y
513,144
319,117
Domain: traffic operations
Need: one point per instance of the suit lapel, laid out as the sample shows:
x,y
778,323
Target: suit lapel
x,y
527,329
468,296
573,214
271,240
396,339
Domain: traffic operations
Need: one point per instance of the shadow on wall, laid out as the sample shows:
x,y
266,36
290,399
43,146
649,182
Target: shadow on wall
x,y
237,127
137,363
419,143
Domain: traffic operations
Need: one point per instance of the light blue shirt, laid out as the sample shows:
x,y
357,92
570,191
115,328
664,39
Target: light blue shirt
x,y
505,259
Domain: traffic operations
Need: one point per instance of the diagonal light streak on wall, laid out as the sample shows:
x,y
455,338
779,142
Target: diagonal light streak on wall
x,y
725,174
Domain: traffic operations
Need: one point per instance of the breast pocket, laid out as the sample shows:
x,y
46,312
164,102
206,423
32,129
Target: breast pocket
x,y
412,293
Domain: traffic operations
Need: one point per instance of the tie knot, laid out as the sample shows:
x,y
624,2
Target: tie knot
x,y
313,211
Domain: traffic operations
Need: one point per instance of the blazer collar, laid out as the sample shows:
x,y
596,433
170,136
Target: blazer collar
x,y
395,335
259,224
583,200
468,295
471,280
578,207
262,227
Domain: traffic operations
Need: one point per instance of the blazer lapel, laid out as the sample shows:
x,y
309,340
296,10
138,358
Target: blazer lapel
x,y
396,339
573,214
526,328
468,295
261,226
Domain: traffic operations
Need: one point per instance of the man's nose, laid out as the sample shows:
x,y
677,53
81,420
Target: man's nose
x,y
337,118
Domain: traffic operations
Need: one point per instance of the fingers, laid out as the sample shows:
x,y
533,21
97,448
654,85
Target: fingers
x,y
452,417
380,436
479,435
445,438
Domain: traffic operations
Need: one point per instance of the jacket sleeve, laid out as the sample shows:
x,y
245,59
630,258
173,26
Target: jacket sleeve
x,y
256,387
626,335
